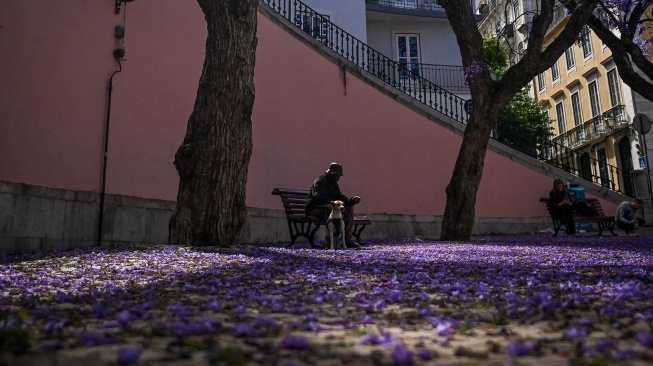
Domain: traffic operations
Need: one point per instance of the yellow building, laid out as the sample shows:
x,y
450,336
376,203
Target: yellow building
x,y
592,111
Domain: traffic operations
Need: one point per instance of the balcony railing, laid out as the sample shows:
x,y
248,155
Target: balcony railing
x,y
595,128
585,166
559,13
447,76
486,8
428,5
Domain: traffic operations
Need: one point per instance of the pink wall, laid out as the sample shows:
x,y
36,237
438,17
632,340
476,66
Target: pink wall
x,y
53,108
53,92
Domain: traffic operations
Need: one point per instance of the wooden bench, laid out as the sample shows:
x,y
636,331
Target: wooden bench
x,y
294,202
603,221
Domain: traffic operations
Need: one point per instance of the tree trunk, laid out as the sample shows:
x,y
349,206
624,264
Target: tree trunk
x,y
459,212
490,97
212,161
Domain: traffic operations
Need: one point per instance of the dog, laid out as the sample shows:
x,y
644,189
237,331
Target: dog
x,y
336,225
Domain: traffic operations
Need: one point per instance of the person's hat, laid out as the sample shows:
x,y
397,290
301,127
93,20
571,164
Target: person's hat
x,y
335,168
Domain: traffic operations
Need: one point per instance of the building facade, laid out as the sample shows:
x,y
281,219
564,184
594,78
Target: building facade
x,y
591,108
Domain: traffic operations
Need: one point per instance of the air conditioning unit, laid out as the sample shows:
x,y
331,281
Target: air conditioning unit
x,y
509,31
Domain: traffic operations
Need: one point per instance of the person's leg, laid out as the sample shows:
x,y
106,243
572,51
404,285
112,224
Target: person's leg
x,y
321,214
349,226
568,214
571,225
641,222
628,228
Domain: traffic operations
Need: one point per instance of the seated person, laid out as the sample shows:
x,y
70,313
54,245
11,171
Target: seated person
x,y
625,217
325,189
562,209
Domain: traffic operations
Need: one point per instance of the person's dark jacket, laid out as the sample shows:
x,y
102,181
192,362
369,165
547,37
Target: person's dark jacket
x,y
555,198
324,191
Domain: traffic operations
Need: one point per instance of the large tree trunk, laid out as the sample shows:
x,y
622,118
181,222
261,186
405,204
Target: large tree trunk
x,y
213,158
459,212
490,97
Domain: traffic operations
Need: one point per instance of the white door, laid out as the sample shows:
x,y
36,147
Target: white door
x,y
408,55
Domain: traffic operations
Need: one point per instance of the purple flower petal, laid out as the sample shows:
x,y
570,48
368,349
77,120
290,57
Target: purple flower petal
x,y
401,355
425,354
645,339
294,342
518,349
128,356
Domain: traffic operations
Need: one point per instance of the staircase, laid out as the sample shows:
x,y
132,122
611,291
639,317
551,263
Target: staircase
x,y
409,81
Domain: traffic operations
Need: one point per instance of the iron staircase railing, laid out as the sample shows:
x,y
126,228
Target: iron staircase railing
x,y
402,77
406,79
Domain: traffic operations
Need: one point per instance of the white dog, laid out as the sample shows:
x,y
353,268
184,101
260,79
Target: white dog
x,y
336,224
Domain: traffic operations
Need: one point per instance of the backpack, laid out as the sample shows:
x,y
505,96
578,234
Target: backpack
x,y
584,209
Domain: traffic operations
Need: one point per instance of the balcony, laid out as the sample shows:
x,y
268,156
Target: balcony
x,y
486,8
596,128
558,15
420,5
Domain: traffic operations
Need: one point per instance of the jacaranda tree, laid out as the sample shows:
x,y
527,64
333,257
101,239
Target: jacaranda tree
x,y
521,125
490,97
625,26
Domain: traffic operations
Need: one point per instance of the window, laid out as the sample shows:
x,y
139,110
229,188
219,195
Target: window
x,y
560,114
314,24
613,85
576,109
555,72
595,104
405,4
515,9
408,54
546,112
569,58
586,41
541,83
602,158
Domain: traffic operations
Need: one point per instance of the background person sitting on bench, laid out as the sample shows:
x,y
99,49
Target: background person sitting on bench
x,y
625,217
561,206
326,189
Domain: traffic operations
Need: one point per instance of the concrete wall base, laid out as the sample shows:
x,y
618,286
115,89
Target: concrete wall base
x,y
34,218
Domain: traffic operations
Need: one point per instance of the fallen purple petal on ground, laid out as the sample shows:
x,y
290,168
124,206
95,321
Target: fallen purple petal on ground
x,y
398,301
401,355
294,342
519,348
645,339
128,356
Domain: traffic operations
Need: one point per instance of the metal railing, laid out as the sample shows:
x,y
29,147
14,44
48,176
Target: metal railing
x,y
583,165
559,13
430,5
447,76
404,78
486,8
604,124
408,79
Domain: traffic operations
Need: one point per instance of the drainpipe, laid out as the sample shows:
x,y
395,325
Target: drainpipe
x,y
118,53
